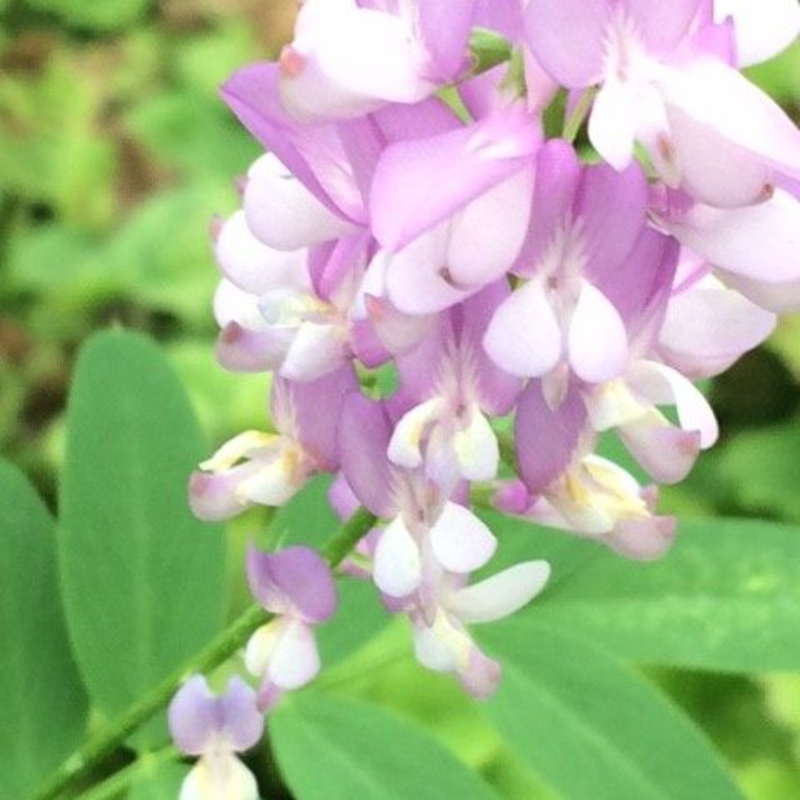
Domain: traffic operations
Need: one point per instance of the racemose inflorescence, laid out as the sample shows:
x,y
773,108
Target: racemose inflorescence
x,y
413,224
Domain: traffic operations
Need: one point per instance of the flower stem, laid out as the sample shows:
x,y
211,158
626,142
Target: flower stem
x,y
219,650
573,123
121,780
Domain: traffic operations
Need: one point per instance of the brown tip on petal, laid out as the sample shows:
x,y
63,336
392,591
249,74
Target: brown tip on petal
x,y
767,192
666,148
689,445
667,527
231,334
447,276
376,307
649,495
198,484
291,62
215,227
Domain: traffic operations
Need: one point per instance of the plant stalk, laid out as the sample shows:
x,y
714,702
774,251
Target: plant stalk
x,y
219,650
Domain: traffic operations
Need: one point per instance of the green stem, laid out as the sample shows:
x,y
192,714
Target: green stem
x,y
219,650
121,780
488,50
578,115
508,449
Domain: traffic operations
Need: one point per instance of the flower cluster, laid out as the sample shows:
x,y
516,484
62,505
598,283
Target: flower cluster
x,y
414,224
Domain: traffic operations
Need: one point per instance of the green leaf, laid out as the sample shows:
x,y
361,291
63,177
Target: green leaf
x,y
520,540
51,121
727,597
759,466
307,518
143,580
593,729
331,748
360,617
98,15
488,49
192,133
161,782
165,254
43,703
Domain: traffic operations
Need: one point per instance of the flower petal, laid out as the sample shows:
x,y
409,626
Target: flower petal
x,y
397,566
500,595
643,539
760,241
313,410
665,386
597,341
224,777
295,660
192,716
243,723
476,449
364,433
349,58
422,182
461,542
317,350
481,676
295,580
240,349
663,25
762,29
613,122
405,446
432,652
721,123
485,239
546,439
524,337
710,326
665,451
417,277
558,175
253,266
574,60
282,213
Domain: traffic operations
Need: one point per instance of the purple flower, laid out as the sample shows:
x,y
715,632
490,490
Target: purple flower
x,y
708,326
215,728
568,487
588,259
350,58
257,468
491,277
296,586
441,639
753,249
665,83
761,30
422,559
453,388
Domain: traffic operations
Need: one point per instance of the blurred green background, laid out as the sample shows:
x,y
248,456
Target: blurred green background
x,y
115,152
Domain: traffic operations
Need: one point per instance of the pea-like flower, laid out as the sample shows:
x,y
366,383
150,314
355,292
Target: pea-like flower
x,y
214,729
296,586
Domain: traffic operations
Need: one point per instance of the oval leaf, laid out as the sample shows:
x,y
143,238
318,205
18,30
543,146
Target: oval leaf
x,y
593,729
143,580
331,748
44,705
158,782
727,597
